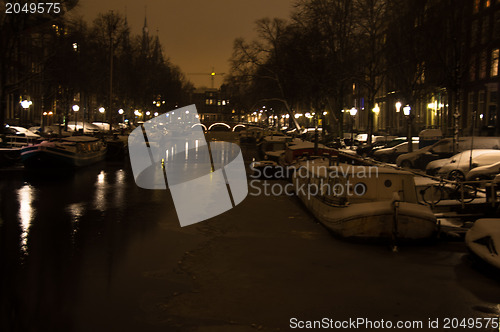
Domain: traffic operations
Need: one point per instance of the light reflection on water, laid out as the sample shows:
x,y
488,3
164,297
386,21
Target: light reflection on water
x,y
100,192
26,196
119,188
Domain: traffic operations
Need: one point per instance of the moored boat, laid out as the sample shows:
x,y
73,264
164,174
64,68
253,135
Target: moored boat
x,y
364,201
74,151
305,149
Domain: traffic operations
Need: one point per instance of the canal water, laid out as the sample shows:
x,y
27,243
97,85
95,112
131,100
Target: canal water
x,y
88,250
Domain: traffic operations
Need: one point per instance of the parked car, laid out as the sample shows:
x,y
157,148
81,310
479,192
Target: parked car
x,y
392,143
87,128
444,149
434,166
20,131
365,149
487,172
389,155
459,165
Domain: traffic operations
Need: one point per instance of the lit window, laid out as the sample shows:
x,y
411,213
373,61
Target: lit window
x,y
494,62
476,6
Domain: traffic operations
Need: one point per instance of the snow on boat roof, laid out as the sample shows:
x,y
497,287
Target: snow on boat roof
x,y
306,145
79,139
276,138
347,169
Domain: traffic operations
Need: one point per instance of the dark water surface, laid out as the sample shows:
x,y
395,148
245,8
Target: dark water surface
x,y
90,251
62,229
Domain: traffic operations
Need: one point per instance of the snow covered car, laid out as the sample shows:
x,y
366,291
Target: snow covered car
x,y
444,149
20,131
487,172
434,166
389,155
457,167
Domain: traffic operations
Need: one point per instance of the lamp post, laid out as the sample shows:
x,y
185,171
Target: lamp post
x,y
407,113
376,111
398,110
137,114
76,108
353,112
25,104
121,111
102,110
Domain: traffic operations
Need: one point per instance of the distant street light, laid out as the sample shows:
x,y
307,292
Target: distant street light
x,y
376,111
121,111
398,106
353,112
398,109
409,118
406,110
76,108
102,110
25,104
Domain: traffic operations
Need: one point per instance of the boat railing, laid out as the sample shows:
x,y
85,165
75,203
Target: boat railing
x,y
19,141
463,191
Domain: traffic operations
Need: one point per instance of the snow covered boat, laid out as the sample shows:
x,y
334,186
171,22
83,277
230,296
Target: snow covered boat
x,y
271,147
74,151
483,240
364,201
305,149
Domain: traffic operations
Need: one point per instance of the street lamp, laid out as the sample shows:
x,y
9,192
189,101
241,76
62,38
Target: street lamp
x,y
121,111
25,104
76,108
353,112
409,116
398,110
376,111
102,110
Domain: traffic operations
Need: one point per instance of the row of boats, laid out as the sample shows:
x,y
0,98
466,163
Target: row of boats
x,y
356,200
72,151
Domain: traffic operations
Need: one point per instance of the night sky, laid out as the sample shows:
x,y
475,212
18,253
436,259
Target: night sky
x,y
196,34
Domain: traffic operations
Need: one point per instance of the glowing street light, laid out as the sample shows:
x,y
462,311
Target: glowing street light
x,y
102,110
121,111
409,117
353,111
26,104
398,106
407,110
76,108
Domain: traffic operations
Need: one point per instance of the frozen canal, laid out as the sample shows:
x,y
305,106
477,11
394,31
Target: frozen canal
x,y
91,251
